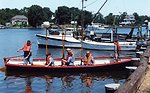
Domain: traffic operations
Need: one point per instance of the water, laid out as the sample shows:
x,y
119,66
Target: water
x,y
13,39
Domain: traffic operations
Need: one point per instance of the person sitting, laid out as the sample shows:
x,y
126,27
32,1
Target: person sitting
x,y
69,58
49,60
88,59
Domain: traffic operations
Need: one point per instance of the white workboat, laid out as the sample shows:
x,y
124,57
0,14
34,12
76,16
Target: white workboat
x,y
56,41
71,42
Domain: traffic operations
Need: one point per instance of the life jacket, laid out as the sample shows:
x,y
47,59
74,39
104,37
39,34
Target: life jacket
x,y
68,56
118,46
26,47
47,60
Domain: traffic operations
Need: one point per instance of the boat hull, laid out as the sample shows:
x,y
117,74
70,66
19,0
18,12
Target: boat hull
x,y
57,42
66,69
100,65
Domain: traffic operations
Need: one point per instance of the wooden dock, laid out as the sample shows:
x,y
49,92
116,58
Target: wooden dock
x,y
135,80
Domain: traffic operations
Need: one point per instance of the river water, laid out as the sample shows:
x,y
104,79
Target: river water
x,y
13,39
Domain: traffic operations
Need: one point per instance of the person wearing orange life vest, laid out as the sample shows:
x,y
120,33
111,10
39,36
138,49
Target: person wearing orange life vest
x,y
88,59
117,50
27,52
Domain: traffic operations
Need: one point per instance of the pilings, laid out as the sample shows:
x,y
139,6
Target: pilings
x,y
135,79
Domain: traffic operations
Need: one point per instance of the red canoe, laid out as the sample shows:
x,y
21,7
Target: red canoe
x,y
101,63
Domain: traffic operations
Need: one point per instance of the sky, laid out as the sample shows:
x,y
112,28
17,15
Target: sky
x,y
116,7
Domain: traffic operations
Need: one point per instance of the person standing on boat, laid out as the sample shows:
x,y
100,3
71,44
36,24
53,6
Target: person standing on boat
x,y
49,60
88,58
118,48
69,58
27,52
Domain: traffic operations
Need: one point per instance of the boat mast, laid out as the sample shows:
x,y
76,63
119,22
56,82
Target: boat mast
x,y
98,11
46,25
82,26
63,43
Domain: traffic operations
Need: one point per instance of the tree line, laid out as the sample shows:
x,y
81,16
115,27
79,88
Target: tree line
x,y
64,15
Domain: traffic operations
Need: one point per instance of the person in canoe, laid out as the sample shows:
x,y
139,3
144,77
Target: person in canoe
x,y
88,59
49,60
27,52
69,58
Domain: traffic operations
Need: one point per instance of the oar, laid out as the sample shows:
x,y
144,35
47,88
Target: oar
x,y
14,56
63,43
3,69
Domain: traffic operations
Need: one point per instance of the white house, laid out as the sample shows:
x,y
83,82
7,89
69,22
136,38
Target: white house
x,y
19,20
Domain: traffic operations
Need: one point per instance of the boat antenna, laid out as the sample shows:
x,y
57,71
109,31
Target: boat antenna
x,y
95,16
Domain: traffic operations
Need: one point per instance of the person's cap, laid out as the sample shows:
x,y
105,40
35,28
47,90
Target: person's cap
x,y
68,49
87,52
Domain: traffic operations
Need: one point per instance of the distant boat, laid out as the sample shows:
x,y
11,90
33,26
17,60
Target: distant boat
x,y
95,26
2,27
101,63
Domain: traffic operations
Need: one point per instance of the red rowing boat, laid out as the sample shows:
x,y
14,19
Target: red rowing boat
x,y
101,63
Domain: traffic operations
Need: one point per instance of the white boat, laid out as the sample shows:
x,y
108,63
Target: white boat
x,y
71,42
67,40
56,41
125,46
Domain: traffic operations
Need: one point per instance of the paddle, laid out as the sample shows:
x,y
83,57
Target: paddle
x,y
3,69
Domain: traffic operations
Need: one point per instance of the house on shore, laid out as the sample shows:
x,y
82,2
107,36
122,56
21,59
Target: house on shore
x,y
19,21
128,20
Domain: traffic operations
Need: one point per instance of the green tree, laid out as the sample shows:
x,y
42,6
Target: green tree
x,y
7,14
75,12
87,17
47,14
99,19
24,11
109,20
137,18
35,15
63,15
143,18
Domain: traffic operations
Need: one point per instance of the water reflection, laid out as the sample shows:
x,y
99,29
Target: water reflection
x,y
28,88
86,83
67,82
49,80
